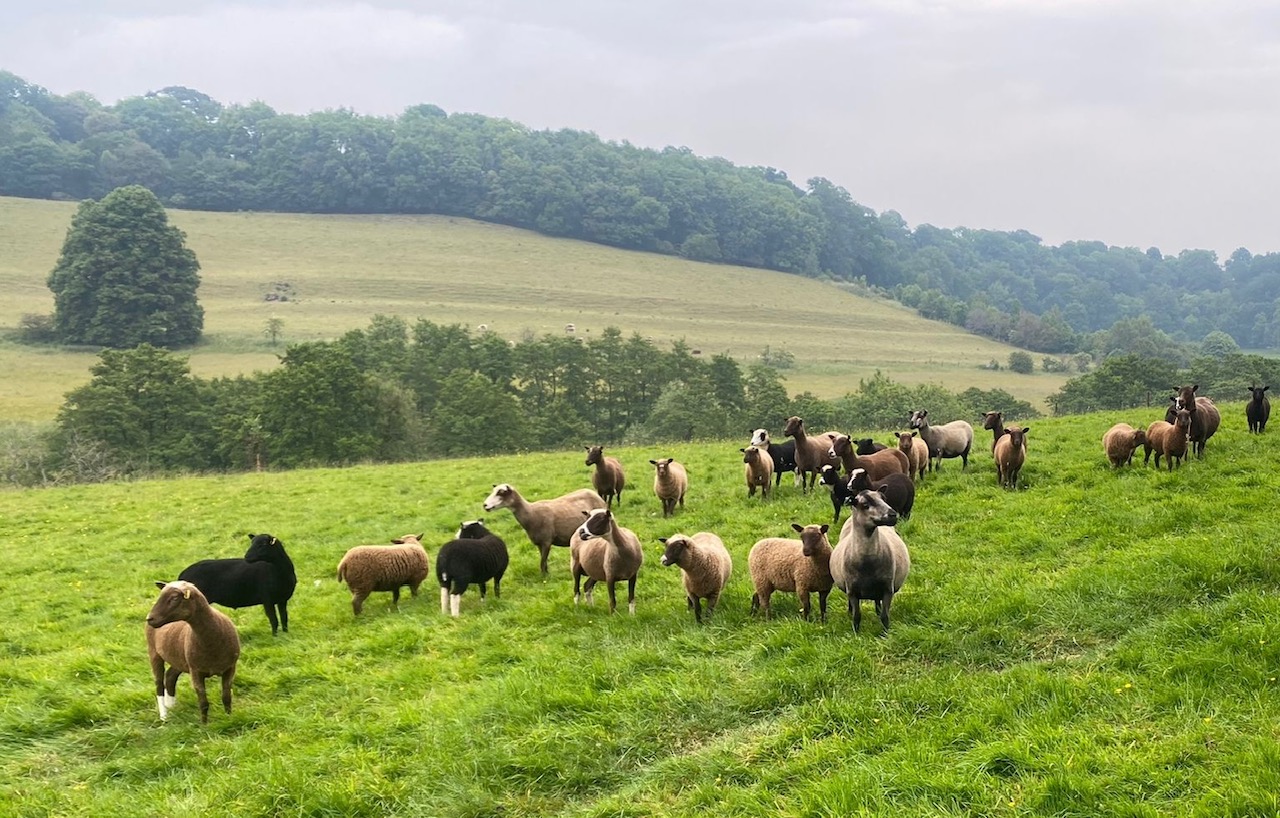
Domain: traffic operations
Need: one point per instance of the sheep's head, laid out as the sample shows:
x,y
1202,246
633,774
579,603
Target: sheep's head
x,y
866,445
858,481
750,454
471,530
409,539
812,538
663,466
1183,422
502,496
794,425
595,454
760,437
676,545
176,601
596,525
841,445
1258,392
906,440
918,418
1017,436
263,548
992,420
871,510
1186,397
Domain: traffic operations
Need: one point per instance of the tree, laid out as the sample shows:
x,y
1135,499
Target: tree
x,y
125,276
1021,362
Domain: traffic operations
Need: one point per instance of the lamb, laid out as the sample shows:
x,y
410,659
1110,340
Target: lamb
x,y
802,566
1205,417
878,465
783,454
547,522
705,567
953,439
191,636
1120,442
264,576
917,452
369,568
604,551
1169,439
474,556
870,560
897,489
759,470
608,478
812,453
670,482
1258,409
1010,454
995,422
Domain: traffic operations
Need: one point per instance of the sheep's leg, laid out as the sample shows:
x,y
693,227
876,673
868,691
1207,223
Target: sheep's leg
x,y
613,595
712,599
545,551
755,603
884,611
395,598
357,601
284,615
483,590
586,590
577,585
631,595
171,687
157,673
496,582
444,599
226,689
455,604
803,594
855,608
270,608
822,605
197,681
697,609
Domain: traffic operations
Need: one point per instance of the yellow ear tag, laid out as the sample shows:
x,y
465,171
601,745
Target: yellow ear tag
x,y
186,594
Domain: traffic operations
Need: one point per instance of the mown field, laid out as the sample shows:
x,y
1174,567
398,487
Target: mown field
x,y
1096,643
339,271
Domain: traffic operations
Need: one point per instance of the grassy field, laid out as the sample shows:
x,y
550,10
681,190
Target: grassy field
x,y
342,270
1098,643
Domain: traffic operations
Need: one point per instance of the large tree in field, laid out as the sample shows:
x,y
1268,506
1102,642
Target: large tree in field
x,y
125,276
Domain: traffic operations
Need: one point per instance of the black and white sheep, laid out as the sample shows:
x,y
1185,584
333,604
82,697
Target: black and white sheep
x,y
897,489
369,568
187,633
1258,409
839,488
705,567
758,470
801,566
604,551
609,479
264,576
953,439
473,557
783,455
547,522
670,482
870,560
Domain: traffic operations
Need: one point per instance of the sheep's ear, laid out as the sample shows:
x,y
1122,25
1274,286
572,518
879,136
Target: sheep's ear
x,y
653,462
797,527
1026,429
420,536
160,583
274,541
662,540
251,536
1265,388
824,528
915,433
1195,386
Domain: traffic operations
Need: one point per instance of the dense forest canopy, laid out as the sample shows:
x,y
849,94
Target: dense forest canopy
x,y
194,152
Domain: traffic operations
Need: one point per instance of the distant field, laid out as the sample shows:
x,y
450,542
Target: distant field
x,y
345,269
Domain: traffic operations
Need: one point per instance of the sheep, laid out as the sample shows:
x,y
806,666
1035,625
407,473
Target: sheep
x,y
1120,442
191,636
783,454
802,566
1169,439
897,489
870,560
878,465
758,470
670,482
839,489
705,567
917,452
604,551
608,478
474,556
995,422
1205,417
1258,409
811,452
264,576
1010,455
868,446
547,522
953,439
369,568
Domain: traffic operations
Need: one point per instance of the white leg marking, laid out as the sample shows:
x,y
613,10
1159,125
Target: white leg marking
x,y
590,601
164,711
444,600
455,604
170,701
632,607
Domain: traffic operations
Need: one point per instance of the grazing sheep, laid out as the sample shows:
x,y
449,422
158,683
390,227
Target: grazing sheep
x,y
475,556
1258,409
1169,439
870,560
604,551
1010,455
812,453
897,489
759,470
547,522
802,566
369,568
1120,442
917,452
705,567
608,478
783,455
953,439
670,482
878,465
1205,417
264,576
995,422
187,633
868,446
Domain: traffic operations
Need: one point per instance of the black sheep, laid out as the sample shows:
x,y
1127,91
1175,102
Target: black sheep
x,y
841,494
265,577
867,445
1258,409
476,556
897,489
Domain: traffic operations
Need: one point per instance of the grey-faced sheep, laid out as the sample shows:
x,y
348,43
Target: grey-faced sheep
x,y
897,489
995,422
670,482
264,576
1120,442
547,522
870,560
812,453
1205,417
369,568
189,635
917,452
604,551
475,556
783,455
878,465
1171,440
705,567
608,478
801,566
1010,455
953,439
1258,409
758,470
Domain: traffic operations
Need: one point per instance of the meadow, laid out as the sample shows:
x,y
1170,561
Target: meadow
x,y
340,271
1096,643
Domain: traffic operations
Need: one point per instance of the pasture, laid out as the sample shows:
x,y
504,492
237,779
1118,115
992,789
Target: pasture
x,y
340,271
1096,643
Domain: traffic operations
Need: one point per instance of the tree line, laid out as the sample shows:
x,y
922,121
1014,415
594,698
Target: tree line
x,y
194,152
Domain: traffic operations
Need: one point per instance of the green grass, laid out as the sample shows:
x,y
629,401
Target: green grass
x,y
1097,643
345,269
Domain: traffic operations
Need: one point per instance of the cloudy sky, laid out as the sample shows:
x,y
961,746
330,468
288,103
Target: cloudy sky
x,y
1134,122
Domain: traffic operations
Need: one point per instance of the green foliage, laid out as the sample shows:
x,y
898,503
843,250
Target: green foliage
x,y
777,359
1120,382
1021,362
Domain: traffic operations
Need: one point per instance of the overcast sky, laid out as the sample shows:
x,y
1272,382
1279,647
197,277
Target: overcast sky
x,y
1134,122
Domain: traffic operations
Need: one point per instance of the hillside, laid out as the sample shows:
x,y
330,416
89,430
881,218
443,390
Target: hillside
x,y
338,271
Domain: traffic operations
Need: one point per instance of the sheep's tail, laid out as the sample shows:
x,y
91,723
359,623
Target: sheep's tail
x,y
342,571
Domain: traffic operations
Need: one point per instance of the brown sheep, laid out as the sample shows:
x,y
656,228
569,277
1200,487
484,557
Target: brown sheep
x,y
877,465
369,568
995,422
1205,417
185,631
917,453
604,551
802,566
1120,442
1169,439
705,567
812,453
1010,455
759,470
608,478
670,482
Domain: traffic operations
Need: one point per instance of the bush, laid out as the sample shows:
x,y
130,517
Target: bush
x,y
1021,363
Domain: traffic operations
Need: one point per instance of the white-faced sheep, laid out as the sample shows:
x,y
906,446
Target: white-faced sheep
x,y
705,567
547,522
897,489
801,566
670,482
608,478
264,576
369,568
878,465
1120,442
758,470
1205,417
1170,440
783,455
186,633
604,551
953,439
870,560
1010,455
475,556
917,452
812,453
1258,409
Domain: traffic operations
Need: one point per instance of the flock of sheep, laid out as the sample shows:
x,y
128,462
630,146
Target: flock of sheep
x,y
869,561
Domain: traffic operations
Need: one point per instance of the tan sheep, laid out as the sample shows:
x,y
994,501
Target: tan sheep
x,y
758,470
547,522
916,451
1010,455
185,631
801,566
705,567
608,478
1169,440
604,551
670,482
369,568
1120,442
